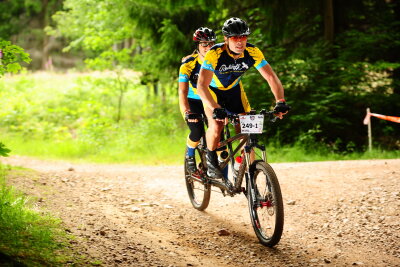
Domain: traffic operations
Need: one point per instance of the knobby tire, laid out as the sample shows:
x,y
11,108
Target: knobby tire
x,y
265,204
199,193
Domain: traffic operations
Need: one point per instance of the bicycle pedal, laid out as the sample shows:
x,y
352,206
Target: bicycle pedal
x,y
196,175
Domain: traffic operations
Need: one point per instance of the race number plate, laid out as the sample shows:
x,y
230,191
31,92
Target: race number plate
x,y
251,123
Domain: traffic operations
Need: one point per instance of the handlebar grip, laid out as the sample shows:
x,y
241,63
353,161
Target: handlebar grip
x,y
219,113
193,116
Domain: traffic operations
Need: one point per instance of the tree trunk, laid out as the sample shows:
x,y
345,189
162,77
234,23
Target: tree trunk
x,y
155,88
46,63
328,20
121,96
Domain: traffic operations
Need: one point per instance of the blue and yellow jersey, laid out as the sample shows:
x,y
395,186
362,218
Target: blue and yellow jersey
x,y
227,70
189,72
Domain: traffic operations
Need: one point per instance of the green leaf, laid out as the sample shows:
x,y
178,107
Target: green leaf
x,y
13,67
3,150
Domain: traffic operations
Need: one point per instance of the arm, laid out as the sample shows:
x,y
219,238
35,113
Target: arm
x,y
203,82
183,101
276,86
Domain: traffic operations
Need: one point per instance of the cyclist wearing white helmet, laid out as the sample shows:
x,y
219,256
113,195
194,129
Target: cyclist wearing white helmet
x,y
220,86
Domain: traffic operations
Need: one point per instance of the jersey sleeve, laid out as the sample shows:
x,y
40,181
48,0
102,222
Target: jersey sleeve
x,y
210,60
184,73
258,57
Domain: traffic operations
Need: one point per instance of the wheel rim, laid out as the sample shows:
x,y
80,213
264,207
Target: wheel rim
x,y
196,189
264,208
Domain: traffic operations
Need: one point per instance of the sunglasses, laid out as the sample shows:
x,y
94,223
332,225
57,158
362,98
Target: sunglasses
x,y
207,44
239,38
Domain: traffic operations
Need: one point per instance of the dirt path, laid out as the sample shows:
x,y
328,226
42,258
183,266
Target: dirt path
x,y
336,214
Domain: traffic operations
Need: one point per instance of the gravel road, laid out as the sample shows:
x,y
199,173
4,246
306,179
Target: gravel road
x,y
339,213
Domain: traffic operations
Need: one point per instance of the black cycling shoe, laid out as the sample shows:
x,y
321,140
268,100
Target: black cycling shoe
x,y
213,170
191,164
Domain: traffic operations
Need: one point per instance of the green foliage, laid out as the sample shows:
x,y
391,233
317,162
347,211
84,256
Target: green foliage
x,y
46,116
28,237
24,22
93,25
10,57
111,60
333,104
4,150
156,32
17,15
76,120
329,82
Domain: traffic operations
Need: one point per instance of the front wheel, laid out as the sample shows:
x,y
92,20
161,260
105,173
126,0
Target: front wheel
x,y
198,191
265,203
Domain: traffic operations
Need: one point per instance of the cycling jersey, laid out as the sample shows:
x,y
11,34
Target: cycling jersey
x,y
189,72
226,85
227,70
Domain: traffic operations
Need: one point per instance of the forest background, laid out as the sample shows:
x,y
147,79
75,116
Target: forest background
x,y
102,84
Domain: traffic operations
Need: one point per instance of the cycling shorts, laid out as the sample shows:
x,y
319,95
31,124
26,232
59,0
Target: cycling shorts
x,y
196,106
234,100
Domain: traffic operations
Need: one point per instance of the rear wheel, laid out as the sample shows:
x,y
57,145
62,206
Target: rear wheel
x,y
199,192
265,204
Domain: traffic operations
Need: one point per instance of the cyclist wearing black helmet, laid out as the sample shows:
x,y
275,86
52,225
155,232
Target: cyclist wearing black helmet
x,y
189,101
220,85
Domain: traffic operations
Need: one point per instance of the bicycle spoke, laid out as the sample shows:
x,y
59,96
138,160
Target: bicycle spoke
x,y
198,191
266,208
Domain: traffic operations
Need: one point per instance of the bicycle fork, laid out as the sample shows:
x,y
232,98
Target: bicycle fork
x,y
250,185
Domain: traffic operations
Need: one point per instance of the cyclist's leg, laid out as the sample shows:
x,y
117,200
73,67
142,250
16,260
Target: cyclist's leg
x,y
213,134
237,103
196,128
222,153
196,132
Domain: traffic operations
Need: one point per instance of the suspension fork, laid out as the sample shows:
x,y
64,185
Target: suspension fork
x,y
249,178
249,183
263,153
252,143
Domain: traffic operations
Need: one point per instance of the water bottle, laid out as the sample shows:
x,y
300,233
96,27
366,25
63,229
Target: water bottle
x,y
238,161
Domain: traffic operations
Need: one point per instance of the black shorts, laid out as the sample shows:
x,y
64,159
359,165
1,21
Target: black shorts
x,y
196,106
234,100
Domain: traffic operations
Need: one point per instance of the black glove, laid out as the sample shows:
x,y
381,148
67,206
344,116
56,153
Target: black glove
x,y
282,107
193,116
219,113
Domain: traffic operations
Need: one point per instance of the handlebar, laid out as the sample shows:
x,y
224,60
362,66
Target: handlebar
x,y
222,113
270,115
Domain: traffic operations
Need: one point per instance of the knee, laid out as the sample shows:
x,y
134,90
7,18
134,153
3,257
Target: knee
x,y
215,128
196,131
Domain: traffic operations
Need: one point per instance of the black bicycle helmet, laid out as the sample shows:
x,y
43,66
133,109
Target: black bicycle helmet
x,y
204,34
235,27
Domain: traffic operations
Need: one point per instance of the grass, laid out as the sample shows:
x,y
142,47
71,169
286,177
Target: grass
x,y
72,117
28,236
299,154
162,150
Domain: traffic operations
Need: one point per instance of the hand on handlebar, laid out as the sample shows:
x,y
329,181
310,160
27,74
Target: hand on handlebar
x,y
219,114
193,117
281,108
